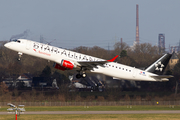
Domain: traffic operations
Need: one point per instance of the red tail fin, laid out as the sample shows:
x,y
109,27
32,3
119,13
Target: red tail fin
x,y
112,60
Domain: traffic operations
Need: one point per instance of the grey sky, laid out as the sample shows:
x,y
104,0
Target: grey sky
x,y
76,23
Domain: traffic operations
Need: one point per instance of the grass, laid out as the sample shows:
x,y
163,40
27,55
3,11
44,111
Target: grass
x,y
94,108
95,117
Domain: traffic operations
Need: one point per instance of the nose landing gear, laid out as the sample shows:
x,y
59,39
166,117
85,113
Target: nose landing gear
x,y
20,55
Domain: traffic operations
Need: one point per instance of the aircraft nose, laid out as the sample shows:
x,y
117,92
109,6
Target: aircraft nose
x,y
7,45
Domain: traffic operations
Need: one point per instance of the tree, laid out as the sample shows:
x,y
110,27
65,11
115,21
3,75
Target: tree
x,y
123,53
98,52
144,54
118,47
176,74
46,72
60,78
3,88
81,49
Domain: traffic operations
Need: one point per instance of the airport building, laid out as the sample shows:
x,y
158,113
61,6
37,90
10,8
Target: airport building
x,y
175,48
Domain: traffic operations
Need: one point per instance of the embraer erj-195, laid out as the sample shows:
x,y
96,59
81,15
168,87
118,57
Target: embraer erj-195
x,y
68,60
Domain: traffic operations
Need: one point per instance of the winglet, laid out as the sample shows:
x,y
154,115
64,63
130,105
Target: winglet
x,y
112,60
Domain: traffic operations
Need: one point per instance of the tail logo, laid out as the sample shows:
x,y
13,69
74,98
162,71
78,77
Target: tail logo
x,y
159,66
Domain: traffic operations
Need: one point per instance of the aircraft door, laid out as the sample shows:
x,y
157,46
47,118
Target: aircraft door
x,y
134,72
28,44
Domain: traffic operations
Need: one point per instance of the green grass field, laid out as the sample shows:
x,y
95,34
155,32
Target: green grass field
x,y
95,108
95,117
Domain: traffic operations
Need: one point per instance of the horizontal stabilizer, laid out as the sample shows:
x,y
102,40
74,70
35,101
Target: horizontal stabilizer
x,y
162,77
116,78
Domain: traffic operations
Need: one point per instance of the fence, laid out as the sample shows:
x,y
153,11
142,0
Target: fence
x,y
119,103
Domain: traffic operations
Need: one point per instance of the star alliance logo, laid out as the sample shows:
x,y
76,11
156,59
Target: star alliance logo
x,y
159,66
142,73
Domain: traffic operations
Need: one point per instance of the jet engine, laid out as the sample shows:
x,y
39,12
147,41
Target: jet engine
x,y
65,64
58,66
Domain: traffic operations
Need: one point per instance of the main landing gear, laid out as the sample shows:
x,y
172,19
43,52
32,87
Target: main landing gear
x,y
81,73
20,55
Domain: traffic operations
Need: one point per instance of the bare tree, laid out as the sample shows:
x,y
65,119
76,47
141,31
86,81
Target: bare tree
x,y
176,74
144,54
118,47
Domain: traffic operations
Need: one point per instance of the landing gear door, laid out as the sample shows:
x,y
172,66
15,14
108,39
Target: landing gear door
x,y
28,44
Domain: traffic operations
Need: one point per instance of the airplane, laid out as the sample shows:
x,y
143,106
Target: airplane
x,y
69,60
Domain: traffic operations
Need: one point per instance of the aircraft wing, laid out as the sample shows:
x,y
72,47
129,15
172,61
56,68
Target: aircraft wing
x,y
162,77
92,64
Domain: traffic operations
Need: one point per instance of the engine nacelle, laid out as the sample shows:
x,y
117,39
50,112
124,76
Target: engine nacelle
x,y
67,64
58,66
64,65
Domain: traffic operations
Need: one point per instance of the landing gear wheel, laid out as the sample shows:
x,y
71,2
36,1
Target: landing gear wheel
x,y
78,76
84,75
19,59
81,73
20,55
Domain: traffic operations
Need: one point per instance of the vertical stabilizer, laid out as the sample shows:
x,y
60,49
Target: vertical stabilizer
x,y
159,66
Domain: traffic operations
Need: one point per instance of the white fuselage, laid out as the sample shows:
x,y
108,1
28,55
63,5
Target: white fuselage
x,y
55,54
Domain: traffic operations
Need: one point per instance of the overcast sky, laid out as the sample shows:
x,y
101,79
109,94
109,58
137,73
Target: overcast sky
x,y
73,23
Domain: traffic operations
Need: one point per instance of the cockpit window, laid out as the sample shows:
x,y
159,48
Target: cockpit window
x,y
16,41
